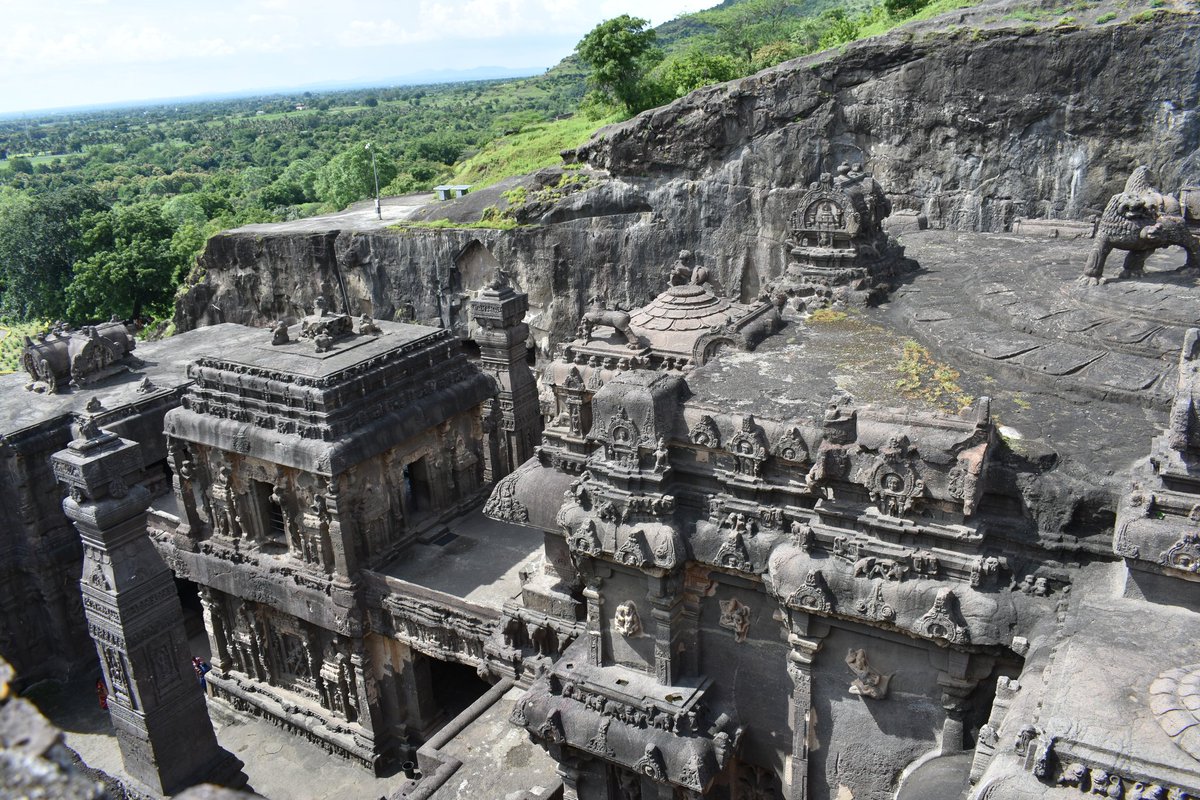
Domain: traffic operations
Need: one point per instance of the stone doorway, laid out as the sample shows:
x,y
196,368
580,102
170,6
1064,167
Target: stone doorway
x,y
418,494
455,687
193,618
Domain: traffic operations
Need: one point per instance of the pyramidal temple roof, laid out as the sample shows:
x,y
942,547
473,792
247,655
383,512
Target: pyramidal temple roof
x,y
687,307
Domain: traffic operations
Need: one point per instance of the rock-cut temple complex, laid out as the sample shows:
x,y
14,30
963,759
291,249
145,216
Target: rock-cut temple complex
x,y
712,547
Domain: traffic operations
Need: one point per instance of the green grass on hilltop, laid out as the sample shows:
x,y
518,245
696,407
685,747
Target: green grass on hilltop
x,y
12,342
530,149
886,23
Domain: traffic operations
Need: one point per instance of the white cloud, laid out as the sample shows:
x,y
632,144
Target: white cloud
x,y
61,47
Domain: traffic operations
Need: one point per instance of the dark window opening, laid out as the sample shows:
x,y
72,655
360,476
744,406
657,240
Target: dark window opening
x,y
455,687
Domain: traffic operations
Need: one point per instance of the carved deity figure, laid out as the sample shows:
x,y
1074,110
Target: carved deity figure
x,y
661,455
367,325
626,620
868,682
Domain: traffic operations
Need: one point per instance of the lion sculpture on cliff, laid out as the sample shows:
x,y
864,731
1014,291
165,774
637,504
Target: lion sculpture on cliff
x,y
597,313
1140,220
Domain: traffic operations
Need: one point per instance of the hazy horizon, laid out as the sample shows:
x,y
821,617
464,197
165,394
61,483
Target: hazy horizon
x,y
107,53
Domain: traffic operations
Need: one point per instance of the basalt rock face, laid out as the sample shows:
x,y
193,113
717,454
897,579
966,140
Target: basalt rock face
x,y
970,129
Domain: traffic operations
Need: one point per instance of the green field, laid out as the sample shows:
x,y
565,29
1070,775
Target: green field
x,y
12,342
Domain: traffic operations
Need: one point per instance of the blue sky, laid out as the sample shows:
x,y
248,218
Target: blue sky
x,y
81,52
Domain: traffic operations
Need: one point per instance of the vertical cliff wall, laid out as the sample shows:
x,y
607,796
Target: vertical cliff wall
x,y
971,128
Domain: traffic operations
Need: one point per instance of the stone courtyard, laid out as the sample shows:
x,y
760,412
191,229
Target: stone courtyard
x,y
845,506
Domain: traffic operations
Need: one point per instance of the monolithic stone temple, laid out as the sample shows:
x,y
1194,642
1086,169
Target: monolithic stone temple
x,y
762,461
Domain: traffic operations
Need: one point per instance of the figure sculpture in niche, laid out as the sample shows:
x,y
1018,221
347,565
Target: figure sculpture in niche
x,y
626,620
1140,220
661,455
868,682
735,616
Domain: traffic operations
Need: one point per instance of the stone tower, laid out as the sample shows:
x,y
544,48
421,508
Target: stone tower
x,y
500,314
133,613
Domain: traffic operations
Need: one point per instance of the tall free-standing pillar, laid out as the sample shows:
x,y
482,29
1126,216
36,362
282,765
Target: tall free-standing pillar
x,y
500,314
135,619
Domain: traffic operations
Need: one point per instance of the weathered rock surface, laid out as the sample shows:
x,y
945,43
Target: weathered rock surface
x,y
972,129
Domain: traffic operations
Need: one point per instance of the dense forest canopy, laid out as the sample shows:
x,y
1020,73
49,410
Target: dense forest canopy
x,y
103,213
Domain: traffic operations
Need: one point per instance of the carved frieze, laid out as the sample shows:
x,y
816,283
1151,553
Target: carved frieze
x,y
621,437
586,540
626,620
791,447
813,594
802,535
1184,554
599,742
634,552
651,764
552,730
733,553
748,447
503,504
868,681
943,620
705,433
517,715
892,479
875,607
1096,781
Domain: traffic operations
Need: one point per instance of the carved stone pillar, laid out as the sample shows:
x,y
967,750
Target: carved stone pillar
x,y
591,594
183,470
570,778
500,314
345,562
214,623
799,666
136,621
416,685
957,684
954,701
367,698
665,610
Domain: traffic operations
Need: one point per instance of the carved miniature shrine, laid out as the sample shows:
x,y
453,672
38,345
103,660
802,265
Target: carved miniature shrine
x,y
838,249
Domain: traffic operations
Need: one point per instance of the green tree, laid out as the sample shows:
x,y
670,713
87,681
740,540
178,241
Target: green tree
x,y
132,268
21,164
348,176
904,8
747,26
40,241
684,72
620,52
